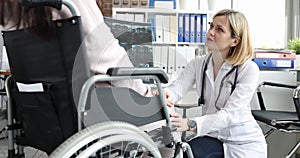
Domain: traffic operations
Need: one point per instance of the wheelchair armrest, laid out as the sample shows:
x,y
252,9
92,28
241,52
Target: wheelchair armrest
x,y
133,71
278,85
186,106
38,3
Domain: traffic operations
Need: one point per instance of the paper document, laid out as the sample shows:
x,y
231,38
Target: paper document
x,y
35,87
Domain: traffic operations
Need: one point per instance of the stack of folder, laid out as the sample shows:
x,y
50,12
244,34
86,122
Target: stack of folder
x,y
274,59
192,27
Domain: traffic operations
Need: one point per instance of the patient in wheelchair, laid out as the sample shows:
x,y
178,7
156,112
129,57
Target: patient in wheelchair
x,y
103,50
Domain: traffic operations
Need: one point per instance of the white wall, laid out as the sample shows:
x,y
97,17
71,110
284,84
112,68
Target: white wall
x,y
267,21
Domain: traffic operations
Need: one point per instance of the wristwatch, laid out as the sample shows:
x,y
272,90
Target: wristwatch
x,y
192,124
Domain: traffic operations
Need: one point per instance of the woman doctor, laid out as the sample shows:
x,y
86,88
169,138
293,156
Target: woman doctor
x,y
225,80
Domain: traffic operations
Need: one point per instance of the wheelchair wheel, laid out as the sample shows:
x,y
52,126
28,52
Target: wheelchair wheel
x,y
108,139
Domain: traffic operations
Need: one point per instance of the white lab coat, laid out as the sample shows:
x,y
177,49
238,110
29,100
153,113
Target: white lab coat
x,y
232,122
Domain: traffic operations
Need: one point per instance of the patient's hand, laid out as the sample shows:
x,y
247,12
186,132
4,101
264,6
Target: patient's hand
x,y
167,95
179,122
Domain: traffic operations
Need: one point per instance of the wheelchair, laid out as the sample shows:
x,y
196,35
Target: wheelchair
x,y
117,111
49,97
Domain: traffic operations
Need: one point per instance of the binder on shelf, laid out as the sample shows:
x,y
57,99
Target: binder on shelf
x,y
152,22
180,59
192,27
164,58
198,28
139,17
173,31
171,59
152,2
267,63
203,27
180,27
190,53
144,3
125,3
159,28
186,28
129,16
117,3
164,4
156,56
274,54
134,4
120,16
166,29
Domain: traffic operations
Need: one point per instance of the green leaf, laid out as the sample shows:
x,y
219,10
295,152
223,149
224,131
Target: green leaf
x,y
294,44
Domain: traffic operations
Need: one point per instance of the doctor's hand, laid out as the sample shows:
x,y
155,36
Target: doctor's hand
x,y
179,122
167,95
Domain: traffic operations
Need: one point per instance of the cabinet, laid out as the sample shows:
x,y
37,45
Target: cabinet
x,y
177,35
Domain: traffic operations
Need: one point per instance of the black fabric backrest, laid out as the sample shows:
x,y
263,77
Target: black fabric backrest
x,y
60,64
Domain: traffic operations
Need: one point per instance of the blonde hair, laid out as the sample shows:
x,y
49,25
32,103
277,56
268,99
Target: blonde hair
x,y
240,53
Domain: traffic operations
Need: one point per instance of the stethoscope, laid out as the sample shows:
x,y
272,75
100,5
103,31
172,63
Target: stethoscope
x,y
201,100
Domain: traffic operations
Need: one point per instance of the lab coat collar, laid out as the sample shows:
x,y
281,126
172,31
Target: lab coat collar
x,y
224,69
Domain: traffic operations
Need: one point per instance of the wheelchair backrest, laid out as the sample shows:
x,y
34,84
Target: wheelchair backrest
x,y
58,65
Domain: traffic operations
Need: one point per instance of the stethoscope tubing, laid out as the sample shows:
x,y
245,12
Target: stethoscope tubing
x,y
201,99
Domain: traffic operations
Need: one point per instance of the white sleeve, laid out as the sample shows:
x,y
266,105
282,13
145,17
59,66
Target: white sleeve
x,y
103,48
184,82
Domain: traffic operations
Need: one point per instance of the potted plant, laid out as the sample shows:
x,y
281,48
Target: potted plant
x,y
294,44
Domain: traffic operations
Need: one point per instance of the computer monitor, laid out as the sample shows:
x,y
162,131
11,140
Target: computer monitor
x,y
136,38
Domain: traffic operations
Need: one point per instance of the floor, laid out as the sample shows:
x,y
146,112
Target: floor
x,y
29,152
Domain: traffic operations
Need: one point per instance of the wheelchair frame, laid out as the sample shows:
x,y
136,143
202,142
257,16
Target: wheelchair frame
x,y
84,134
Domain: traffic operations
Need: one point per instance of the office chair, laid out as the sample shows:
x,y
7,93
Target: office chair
x,y
284,121
47,75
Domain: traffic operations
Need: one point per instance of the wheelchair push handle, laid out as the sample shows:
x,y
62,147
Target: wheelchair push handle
x,y
38,3
57,4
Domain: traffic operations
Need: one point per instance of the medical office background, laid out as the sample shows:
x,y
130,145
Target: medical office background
x,y
272,24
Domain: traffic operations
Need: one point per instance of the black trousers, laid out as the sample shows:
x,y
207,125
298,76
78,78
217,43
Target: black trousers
x,y
206,147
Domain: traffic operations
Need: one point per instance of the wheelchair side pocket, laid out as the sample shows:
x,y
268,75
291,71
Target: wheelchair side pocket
x,y
39,119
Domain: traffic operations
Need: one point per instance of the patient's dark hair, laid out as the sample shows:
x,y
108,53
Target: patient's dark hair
x,y
12,11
